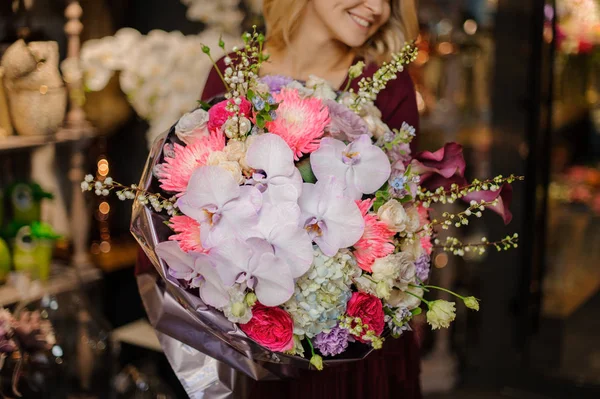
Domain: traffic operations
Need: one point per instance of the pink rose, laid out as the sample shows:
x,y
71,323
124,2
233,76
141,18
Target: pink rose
x,y
272,328
369,309
218,113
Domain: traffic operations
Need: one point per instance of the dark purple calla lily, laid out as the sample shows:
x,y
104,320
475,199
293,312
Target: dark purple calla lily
x,y
441,168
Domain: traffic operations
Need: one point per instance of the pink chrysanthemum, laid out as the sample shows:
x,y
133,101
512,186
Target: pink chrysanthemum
x,y
177,171
376,241
423,220
299,121
188,235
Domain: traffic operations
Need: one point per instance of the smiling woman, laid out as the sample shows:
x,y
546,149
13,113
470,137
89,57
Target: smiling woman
x,y
316,42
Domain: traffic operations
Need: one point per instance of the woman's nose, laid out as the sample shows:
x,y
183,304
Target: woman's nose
x,y
375,6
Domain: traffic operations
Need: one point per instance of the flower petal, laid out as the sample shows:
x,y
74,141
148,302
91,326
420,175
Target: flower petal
x,y
275,284
181,265
271,153
210,185
327,160
504,196
212,290
374,168
294,246
231,258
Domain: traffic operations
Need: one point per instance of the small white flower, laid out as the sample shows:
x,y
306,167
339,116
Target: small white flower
x,y
105,192
85,186
89,178
98,192
108,181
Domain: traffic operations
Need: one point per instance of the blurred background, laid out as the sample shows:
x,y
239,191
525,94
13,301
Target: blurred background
x,y
516,82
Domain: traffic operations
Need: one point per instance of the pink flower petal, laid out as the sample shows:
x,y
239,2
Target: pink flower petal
x,y
446,162
504,195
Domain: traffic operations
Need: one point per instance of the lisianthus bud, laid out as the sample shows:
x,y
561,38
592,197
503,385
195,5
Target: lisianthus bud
x,y
356,69
441,313
251,299
317,361
472,303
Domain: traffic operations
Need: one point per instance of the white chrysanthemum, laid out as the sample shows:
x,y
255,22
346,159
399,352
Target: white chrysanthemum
x,y
321,294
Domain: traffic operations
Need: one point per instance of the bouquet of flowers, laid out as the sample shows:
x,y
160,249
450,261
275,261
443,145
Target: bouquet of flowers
x,y
290,224
20,336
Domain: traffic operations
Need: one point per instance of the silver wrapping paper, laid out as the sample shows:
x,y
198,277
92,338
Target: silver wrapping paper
x,y
208,353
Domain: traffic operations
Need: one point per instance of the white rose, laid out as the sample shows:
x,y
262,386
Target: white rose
x,y
321,88
235,170
412,248
376,126
366,285
192,126
407,272
387,268
302,90
413,224
392,213
216,157
403,299
235,150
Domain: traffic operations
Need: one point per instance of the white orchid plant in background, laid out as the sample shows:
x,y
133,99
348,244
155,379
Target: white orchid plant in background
x,y
163,73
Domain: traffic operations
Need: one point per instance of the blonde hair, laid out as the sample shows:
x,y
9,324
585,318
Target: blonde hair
x,y
282,18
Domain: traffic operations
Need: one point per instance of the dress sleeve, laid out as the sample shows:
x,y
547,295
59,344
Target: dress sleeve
x,y
398,103
214,86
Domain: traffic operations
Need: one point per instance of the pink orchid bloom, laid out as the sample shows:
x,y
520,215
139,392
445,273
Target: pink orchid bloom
x,y
222,208
275,173
360,166
197,270
279,226
254,263
332,220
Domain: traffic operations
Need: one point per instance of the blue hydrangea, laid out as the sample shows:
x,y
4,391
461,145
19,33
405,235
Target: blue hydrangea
x,y
321,295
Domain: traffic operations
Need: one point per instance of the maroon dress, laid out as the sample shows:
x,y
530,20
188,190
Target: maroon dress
x,y
392,372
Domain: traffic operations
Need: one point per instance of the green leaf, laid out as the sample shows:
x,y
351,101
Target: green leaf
x,y
250,95
378,203
260,121
204,105
416,311
266,116
306,171
405,199
267,106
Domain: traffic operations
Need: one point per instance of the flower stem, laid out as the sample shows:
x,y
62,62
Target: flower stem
x,y
312,349
445,290
418,297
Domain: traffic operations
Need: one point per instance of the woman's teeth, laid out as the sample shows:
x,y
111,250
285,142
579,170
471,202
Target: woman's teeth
x,y
361,21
